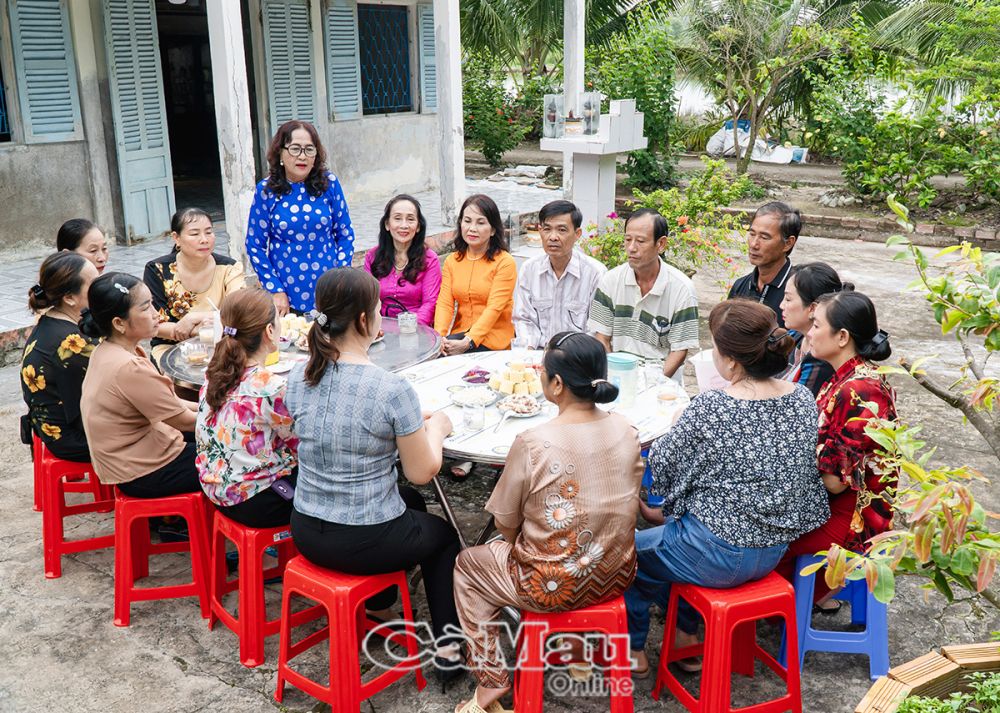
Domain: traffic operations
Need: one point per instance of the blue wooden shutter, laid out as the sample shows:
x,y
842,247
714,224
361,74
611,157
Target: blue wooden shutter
x,y
46,71
428,65
343,66
288,52
136,83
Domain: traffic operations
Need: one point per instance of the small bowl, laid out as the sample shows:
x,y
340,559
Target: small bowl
x,y
284,344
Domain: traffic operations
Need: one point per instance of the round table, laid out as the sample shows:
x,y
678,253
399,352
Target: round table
x,y
435,381
394,352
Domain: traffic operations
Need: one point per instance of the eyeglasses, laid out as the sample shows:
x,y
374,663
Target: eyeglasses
x,y
296,150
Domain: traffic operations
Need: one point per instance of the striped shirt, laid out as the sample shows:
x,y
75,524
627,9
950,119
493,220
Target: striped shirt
x,y
664,320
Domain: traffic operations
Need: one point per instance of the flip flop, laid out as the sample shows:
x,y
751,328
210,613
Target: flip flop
x,y
470,706
828,611
692,664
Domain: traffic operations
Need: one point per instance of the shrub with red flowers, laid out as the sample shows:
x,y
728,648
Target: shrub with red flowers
x,y
700,235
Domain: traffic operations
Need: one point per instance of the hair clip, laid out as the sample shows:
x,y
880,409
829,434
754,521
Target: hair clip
x,y
880,337
595,382
37,291
564,338
229,331
121,288
318,317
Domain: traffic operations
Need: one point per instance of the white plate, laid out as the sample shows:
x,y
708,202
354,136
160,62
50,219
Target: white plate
x,y
283,366
456,393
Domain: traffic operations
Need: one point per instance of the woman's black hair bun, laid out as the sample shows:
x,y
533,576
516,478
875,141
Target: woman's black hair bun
x,y
88,325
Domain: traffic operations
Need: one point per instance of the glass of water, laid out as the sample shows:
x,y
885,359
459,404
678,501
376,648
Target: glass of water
x,y
652,373
474,417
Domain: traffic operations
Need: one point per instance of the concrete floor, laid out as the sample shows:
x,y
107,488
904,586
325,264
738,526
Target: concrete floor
x,y
60,649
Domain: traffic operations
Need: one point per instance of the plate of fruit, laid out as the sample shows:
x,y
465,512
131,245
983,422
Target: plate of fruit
x,y
476,375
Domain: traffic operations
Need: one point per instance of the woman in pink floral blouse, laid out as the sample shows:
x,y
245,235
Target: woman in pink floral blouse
x,y
246,451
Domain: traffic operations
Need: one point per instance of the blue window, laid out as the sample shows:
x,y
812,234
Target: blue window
x,y
4,116
384,44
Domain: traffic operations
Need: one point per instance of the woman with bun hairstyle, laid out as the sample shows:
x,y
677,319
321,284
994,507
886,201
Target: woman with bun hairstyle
x,y
56,355
806,284
845,333
135,423
737,474
565,504
244,431
84,237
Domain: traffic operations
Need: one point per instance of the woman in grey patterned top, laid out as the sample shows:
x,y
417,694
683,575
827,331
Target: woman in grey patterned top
x,y
738,476
352,418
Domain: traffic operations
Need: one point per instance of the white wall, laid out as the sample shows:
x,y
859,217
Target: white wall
x,y
379,156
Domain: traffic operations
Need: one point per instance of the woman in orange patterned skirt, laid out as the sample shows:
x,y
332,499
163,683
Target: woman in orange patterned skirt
x,y
566,506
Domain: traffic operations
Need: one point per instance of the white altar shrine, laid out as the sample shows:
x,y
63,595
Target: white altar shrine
x,y
592,160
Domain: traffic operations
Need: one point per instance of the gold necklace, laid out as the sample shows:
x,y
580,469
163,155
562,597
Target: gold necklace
x,y
64,314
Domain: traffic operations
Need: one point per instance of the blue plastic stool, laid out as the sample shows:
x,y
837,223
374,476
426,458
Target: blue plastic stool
x,y
654,501
865,609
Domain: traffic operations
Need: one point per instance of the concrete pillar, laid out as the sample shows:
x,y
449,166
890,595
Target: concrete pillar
x,y
574,39
448,55
84,40
232,115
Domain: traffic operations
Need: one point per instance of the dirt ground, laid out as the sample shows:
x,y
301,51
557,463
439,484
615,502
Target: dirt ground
x,y
60,650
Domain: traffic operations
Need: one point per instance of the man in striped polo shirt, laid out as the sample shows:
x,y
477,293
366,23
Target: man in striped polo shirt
x,y
646,306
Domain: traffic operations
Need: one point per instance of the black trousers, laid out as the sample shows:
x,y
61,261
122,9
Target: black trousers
x,y
176,477
265,509
414,538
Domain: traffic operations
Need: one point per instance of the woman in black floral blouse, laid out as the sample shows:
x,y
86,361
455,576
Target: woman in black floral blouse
x,y
187,282
56,356
737,473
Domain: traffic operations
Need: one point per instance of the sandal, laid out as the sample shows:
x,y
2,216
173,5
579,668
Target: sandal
x,y
828,611
471,706
460,471
639,673
580,672
692,664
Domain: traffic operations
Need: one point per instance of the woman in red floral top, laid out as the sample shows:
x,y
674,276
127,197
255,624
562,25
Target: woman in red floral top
x,y
845,333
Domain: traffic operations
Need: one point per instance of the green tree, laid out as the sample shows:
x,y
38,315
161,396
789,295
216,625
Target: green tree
x,y
525,36
750,53
638,63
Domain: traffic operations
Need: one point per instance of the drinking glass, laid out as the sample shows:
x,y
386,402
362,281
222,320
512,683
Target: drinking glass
x,y
474,417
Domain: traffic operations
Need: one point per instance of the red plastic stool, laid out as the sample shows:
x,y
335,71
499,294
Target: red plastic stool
x,y
251,625
79,477
343,596
731,643
133,548
51,474
608,618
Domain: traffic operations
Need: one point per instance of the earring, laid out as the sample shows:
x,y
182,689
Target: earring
x,y
281,163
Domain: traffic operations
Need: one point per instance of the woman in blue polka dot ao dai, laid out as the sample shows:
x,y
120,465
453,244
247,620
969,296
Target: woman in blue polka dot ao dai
x,y
299,225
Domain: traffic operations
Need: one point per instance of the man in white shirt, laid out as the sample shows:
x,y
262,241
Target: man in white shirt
x,y
554,290
646,306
